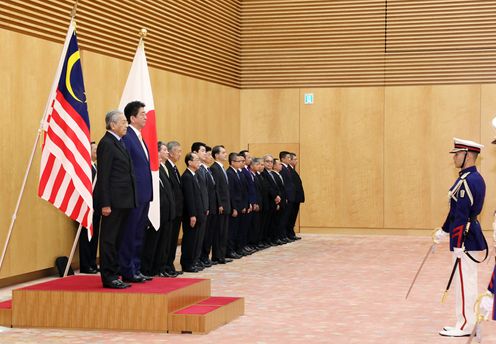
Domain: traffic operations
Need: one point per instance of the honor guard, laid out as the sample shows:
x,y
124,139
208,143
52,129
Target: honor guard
x,y
466,198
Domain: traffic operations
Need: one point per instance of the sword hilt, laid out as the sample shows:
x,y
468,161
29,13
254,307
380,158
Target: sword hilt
x,y
445,295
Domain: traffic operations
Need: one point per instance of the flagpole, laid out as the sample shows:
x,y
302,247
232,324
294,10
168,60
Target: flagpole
x,y
76,239
30,163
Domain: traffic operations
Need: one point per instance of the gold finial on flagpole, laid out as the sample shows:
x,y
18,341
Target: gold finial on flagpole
x,y
143,32
74,9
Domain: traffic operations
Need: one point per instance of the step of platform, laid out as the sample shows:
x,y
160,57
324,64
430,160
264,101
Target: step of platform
x,y
80,302
206,315
6,313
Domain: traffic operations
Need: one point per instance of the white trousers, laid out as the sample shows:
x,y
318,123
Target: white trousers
x,y
465,281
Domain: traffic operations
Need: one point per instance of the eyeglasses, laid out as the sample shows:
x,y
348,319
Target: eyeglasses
x,y
269,160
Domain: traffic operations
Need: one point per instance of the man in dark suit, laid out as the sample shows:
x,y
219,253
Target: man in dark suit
x,y
274,201
200,149
246,221
219,245
195,212
134,231
244,216
115,194
175,152
288,234
213,208
299,193
237,205
157,242
281,216
256,221
88,248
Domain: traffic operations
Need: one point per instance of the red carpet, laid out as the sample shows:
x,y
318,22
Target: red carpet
x,y
195,309
218,300
6,304
94,284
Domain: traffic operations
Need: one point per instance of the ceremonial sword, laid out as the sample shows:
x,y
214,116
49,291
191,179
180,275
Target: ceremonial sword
x,y
432,248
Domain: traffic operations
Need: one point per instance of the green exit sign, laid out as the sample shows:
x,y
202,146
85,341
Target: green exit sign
x,y
308,98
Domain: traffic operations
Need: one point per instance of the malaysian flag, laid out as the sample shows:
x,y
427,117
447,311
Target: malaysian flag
x,y
65,173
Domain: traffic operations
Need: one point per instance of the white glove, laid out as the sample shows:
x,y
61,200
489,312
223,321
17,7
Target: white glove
x,y
486,305
439,235
458,251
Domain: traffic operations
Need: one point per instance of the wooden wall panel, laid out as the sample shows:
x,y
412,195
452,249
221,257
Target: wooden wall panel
x,y
488,155
193,38
187,110
341,158
27,67
269,116
420,123
313,43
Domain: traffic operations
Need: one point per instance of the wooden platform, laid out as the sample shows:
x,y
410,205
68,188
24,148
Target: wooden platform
x,y
206,315
80,302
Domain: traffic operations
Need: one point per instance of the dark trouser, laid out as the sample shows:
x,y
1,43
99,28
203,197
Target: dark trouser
x,y
294,208
243,230
202,228
279,224
132,241
266,216
219,244
232,236
156,249
189,242
110,238
176,225
255,228
211,228
88,248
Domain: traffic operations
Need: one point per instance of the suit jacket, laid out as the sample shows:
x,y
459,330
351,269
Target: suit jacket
x,y
201,176
221,187
213,205
115,186
235,189
141,166
272,188
289,186
167,201
245,192
250,183
193,203
258,183
299,192
280,188
176,188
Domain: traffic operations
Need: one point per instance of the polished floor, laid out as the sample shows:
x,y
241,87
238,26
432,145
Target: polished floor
x,y
322,289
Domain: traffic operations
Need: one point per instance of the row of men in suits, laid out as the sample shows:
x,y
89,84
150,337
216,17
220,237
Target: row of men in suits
x,y
225,214
222,212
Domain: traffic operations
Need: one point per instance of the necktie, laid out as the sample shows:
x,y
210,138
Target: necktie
x,y
176,171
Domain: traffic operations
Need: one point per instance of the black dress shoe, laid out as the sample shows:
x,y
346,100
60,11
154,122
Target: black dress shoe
x,y
165,274
206,263
190,269
233,255
213,262
296,238
145,277
198,267
133,279
88,271
116,284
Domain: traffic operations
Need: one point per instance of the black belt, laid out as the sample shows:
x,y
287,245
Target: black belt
x,y
474,219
